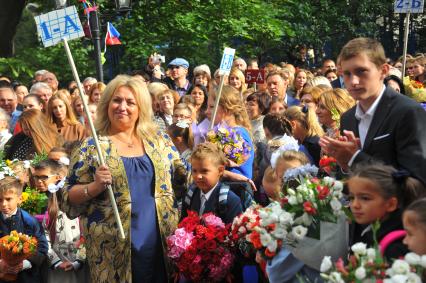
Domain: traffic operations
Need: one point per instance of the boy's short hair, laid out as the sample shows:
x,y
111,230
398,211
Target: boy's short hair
x,y
50,164
371,47
209,151
10,184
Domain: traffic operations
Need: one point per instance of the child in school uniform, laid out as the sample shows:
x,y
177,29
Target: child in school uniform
x,y
14,218
66,250
380,193
414,220
208,193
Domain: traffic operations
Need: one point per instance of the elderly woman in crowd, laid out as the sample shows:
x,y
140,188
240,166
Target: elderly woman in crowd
x,y
37,136
138,167
59,112
167,101
5,135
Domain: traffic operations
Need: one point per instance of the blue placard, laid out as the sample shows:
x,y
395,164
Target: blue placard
x,y
405,6
58,24
227,60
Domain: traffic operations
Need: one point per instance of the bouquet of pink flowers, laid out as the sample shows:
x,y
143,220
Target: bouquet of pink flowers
x,y
230,142
200,248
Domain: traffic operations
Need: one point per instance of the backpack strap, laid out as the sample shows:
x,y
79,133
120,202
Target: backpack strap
x,y
390,238
188,197
223,199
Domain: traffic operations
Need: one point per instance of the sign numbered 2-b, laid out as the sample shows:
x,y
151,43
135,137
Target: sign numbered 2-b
x,y
409,6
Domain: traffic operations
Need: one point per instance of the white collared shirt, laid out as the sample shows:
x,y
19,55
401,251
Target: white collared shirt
x,y
10,215
365,119
204,197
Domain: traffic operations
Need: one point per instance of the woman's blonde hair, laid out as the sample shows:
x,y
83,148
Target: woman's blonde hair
x,y
70,117
44,135
145,126
314,91
307,119
338,99
99,85
292,155
240,75
231,102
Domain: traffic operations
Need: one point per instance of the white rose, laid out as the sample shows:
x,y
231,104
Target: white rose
x,y
272,246
299,198
328,181
292,200
338,186
299,232
335,204
413,278
371,254
360,273
412,259
336,277
306,219
359,249
423,261
279,233
399,278
400,267
326,264
291,192
286,218
242,230
265,239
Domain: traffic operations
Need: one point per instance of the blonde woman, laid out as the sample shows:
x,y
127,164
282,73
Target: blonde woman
x,y
237,80
306,129
232,112
332,104
139,161
60,113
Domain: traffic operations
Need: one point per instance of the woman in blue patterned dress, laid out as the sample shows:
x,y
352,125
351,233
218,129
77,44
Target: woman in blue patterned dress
x,y
138,166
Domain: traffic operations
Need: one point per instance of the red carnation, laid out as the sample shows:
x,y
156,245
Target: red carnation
x,y
323,192
255,240
309,208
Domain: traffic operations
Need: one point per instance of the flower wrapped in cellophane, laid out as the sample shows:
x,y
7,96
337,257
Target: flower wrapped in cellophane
x,y
33,201
414,89
200,248
14,248
230,142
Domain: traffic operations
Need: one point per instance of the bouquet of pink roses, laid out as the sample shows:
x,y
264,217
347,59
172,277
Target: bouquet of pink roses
x,y
200,248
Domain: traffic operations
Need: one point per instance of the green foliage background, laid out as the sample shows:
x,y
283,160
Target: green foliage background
x,y
198,30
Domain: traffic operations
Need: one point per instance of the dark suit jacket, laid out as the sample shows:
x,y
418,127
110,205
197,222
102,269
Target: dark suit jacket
x,y
397,134
336,83
234,207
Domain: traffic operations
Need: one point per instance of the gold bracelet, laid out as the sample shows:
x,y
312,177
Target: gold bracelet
x,y
86,191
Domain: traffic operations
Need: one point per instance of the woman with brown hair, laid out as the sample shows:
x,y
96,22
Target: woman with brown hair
x,y
59,112
300,79
37,136
310,96
331,106
95,92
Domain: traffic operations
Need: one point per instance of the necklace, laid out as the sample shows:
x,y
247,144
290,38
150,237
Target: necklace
x,y
129,145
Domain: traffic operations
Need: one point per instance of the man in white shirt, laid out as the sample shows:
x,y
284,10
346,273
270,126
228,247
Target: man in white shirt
x,y
384,125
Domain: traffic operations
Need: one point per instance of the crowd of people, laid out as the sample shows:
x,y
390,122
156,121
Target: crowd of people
x,y
152,126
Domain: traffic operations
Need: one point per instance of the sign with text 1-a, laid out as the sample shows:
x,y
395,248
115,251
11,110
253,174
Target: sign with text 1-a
x,y
227,61
409,6
58,24
255,76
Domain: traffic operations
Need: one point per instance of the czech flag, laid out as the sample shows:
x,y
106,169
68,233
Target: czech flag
x,y
112,35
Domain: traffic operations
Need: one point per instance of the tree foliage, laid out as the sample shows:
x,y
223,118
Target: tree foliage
x,y
198,30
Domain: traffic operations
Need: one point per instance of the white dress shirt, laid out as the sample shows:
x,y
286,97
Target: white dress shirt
x,y
365,119
204,197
